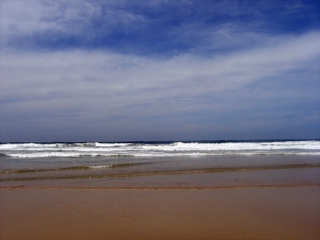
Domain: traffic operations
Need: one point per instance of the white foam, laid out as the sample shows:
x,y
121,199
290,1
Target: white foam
x,y
104,166
36,150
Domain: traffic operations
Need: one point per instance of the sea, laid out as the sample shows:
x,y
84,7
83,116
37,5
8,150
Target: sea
x,y
160,165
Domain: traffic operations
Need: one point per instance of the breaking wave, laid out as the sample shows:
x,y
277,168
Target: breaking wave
x,y
158,149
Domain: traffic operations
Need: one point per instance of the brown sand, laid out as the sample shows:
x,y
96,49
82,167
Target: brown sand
x,y
251,213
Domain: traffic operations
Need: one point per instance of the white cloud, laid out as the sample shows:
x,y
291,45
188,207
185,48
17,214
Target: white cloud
x,y
21,18
91,81
39,24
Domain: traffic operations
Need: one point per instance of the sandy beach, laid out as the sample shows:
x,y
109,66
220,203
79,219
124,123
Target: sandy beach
x,y
204,197
234,213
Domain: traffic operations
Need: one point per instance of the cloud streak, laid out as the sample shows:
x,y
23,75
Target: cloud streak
x,y
152,27
102,85
124,74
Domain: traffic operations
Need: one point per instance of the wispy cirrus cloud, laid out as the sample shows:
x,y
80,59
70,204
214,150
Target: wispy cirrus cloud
x,y
103,86
152,27
123,73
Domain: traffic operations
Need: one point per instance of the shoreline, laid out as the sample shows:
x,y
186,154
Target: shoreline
x,y
277,202
21,188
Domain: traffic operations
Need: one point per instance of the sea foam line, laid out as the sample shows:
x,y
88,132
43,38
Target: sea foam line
x,y
166,173
24,188
32,150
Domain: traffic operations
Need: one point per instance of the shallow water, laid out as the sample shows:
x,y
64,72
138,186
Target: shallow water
x,y
159,172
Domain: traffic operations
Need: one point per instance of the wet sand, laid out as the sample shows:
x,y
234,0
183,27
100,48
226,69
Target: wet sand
x,y
231,213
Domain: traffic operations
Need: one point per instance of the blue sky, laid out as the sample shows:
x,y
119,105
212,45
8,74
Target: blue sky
x,y
122,70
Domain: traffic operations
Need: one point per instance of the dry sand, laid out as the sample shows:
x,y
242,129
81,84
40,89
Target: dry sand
x,y
240,213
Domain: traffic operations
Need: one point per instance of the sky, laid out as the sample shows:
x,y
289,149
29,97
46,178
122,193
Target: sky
x,y
159,70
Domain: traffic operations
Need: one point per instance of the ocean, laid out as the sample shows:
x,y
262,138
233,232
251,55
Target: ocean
x,y
156,165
